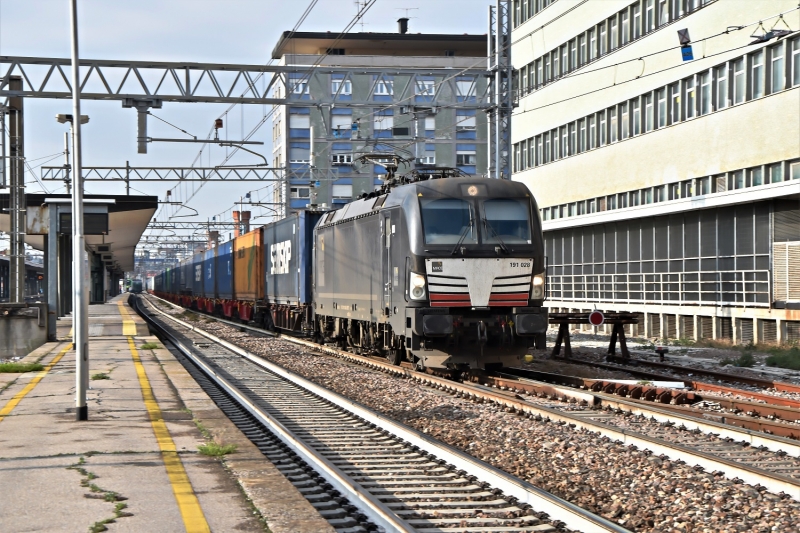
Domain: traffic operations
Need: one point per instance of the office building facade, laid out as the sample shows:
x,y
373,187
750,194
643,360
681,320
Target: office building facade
x,y
403,104
668,177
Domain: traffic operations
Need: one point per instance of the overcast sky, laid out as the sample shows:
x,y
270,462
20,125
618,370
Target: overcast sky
x,y
229,31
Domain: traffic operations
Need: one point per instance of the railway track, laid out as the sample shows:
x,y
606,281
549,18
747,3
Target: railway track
x,y
754,457
393,477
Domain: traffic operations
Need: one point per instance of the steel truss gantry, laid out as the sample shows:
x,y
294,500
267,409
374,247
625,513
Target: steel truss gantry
x,y
128,173
159,82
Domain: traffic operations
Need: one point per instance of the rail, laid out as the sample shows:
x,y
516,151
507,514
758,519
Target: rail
x,y
523,492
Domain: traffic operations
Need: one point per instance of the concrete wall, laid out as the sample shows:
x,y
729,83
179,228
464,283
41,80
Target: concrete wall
x,y
23,328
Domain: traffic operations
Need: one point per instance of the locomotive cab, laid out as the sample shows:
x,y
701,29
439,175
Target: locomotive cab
x,y
475,281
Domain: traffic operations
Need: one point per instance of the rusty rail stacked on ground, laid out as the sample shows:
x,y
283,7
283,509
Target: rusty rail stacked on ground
x,y
617,332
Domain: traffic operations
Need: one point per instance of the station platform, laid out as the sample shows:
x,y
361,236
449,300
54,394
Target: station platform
x,y
134,465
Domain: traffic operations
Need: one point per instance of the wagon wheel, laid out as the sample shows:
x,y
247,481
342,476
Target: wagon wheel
x,y
394,356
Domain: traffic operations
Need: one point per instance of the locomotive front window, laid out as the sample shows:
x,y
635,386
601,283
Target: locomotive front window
x,y
507,220
447,220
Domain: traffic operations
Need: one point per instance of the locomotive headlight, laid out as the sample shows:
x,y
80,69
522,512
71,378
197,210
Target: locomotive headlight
x,y
417,286
537,292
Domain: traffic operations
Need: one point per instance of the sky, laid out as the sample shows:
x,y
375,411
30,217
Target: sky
x,y
221,31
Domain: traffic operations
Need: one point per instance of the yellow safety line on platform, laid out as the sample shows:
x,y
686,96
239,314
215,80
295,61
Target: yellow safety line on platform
x,y
193,518
128,325
13,402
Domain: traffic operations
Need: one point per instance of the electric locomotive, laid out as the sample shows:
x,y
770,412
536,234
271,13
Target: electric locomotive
x,y
445,273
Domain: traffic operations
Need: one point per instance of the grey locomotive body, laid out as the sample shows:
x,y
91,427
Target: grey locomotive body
x,y
444,273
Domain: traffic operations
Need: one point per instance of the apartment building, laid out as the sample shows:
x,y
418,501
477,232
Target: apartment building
x,y
668,177
375,92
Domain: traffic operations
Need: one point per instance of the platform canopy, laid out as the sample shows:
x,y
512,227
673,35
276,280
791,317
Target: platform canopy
x,y
128,217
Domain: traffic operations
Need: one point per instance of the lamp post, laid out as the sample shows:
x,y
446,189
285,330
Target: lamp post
x,y
80,304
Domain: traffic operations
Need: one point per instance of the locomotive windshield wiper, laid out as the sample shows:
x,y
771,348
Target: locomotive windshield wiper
x,y
488,225
464,234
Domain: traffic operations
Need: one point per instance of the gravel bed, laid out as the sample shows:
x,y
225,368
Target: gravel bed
x,y
632,487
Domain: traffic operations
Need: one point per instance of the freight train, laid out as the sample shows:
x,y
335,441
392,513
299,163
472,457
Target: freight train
x,y
444,273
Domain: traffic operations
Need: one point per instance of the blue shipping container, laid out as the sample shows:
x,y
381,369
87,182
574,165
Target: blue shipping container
x,y
225,270
197,274
288,246
209,273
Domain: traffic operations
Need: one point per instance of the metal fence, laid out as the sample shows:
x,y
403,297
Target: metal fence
x,y
736,287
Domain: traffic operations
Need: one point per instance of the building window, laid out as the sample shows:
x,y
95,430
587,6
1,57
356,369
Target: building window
x,y
547,154
384,88
648,112
663,12
721,76
756,176
776,53
430,123
573,139
547,76
603,127
625,34
564,60
738,81
736,180
582,135
554,61
637,20
675,103
637,116
532,152
614,33
539,148
582,49
661,97
704,186
592,140
634,198
647,195
649,16
298,86
674,190
603,38
517,162
624,121
622,199
794,171
592,45
611,202
757,75
466,158
571,209
556,144
705,93
686,189
465,122
381,121
612,124
796,62
342,191
775,173
300,192
691,97
342,159
425,88
539,71
341,87
573,54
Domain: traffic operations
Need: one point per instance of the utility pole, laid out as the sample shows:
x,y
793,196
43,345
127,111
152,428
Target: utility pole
x,y
16,193
80,283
